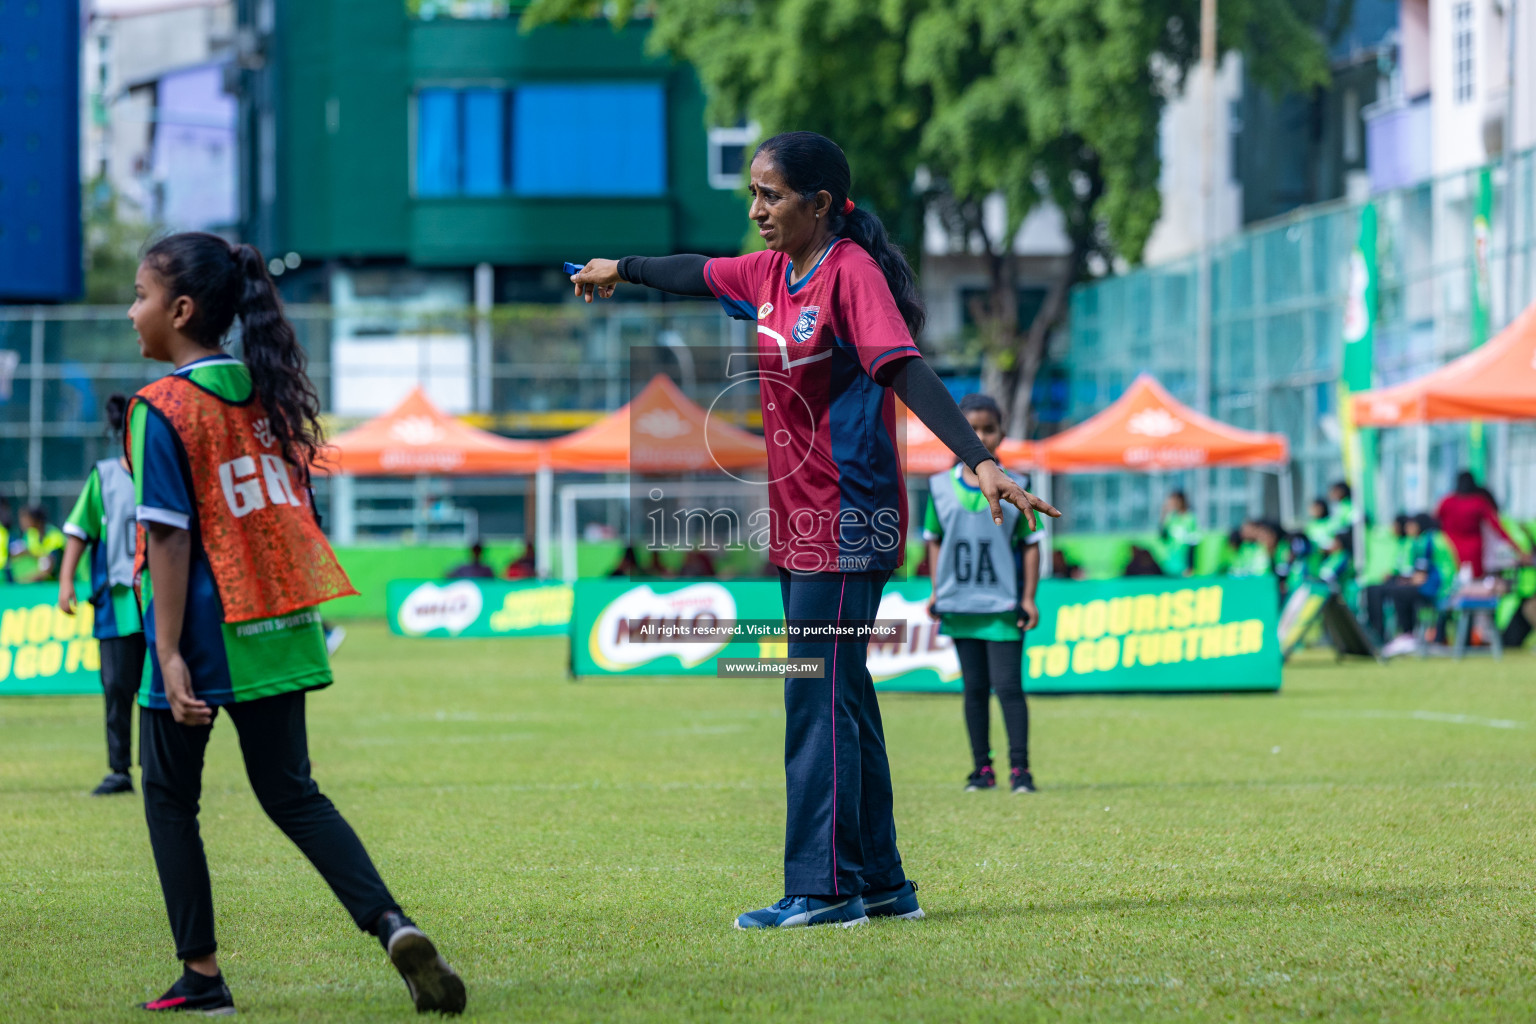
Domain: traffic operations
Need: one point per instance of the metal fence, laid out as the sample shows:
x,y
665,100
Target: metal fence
x,y
1277,309
525,370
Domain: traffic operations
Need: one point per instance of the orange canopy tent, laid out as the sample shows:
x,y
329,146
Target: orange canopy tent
x,y
661,430
1496,381
1147,430
417,438
926,454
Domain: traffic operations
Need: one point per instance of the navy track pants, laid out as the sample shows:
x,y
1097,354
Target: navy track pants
x,y
840,839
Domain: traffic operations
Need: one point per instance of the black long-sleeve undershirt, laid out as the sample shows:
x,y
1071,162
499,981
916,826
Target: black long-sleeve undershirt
x,y
910,377
681,275
919,387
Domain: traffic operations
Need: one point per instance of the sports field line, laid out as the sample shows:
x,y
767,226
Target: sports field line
x,y
1449,718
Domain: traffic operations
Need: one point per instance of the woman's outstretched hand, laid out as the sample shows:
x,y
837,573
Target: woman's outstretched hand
x,y
597,279
999,487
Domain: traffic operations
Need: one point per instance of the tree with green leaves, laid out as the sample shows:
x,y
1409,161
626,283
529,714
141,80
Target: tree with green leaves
x,y
941,104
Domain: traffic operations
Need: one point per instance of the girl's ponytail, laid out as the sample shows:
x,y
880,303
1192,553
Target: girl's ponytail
x,y
277,362
225,282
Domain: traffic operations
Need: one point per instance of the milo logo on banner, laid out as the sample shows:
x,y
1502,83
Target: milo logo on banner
x,y
696,605
42,650
452,608
925,648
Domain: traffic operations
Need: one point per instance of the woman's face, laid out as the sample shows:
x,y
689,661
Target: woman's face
x,y
786,221
155,315
987,428
1319,511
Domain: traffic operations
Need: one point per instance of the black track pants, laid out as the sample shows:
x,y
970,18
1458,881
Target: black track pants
x,y
275,746
995,666
122,669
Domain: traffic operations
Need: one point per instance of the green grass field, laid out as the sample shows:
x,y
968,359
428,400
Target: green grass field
x,y
1360,846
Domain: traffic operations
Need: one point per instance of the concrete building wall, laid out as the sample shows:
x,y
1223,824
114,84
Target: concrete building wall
x,y
127,48
1181,140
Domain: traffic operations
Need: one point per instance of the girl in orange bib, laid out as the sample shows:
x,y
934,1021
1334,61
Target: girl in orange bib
x,y
232,568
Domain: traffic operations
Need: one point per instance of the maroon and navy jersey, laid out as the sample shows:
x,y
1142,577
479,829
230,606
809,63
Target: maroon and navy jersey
x,y
836,496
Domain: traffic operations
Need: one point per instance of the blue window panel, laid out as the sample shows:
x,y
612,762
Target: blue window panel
x,y
438,164
590,139
484,142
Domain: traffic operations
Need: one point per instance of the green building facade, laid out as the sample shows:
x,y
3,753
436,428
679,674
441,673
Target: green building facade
x,y
375,134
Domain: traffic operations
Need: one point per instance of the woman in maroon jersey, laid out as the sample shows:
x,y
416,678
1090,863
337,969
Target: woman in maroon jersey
x,y
837,310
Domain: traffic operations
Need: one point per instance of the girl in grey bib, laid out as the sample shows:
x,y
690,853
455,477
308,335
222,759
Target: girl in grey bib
x,y
984,578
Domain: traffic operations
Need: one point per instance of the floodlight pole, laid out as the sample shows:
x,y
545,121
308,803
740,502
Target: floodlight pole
x,y
1203,311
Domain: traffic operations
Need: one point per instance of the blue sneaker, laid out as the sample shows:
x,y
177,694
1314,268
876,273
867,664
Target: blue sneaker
x,y
899,902
799,911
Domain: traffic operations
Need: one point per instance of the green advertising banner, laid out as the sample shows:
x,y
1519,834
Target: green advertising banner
x,y
1358,365
1124,635
478,608
1482,282
42,650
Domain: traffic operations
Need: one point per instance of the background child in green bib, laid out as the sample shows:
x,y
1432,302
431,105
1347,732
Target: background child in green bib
x,y
984,580
103,522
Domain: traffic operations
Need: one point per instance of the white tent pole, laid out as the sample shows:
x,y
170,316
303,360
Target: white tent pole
x,y
1045,542
543,501
1421,498
343,509
1287,497
568,534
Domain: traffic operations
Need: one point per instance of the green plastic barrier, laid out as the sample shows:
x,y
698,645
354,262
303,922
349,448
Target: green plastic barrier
x,y
42,650
1114,636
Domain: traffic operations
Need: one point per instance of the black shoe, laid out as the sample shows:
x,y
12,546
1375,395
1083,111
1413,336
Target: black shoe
x,y
117,782
432,983
982,778
195,993
1022,781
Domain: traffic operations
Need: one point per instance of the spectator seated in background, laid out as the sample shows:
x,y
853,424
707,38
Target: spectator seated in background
x,y
1416,585
524,567
1253,550
1336,567
1290,553
1342,515
1143,563
629,564
1180,536
42,541
5,542
697,564
1470,518
1062,569
475,568
1319,528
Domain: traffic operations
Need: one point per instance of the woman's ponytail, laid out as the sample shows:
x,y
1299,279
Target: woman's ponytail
x,y
225,282
277,362
865,228
813,163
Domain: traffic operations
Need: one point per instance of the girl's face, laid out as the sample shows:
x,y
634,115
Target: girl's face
x,y
786,221
156,315
987,428
1318,511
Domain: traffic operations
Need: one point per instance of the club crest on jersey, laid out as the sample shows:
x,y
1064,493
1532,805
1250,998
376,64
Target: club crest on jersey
x,y
263,430
764,310
805,326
